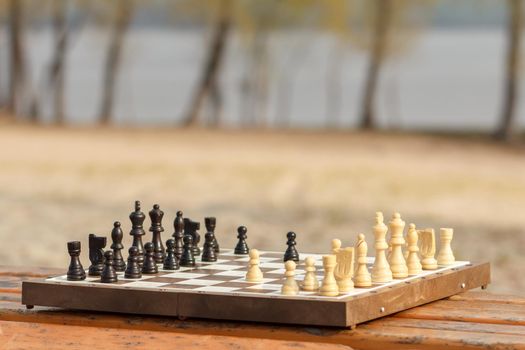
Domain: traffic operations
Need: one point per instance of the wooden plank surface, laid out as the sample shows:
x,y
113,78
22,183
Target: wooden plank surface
x,y
472,320
23,336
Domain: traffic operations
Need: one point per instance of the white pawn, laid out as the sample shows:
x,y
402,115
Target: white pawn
x,y
381,272
336,245
329,287
413,263
254,273
396,259
445,255
290,286
310,282
362,277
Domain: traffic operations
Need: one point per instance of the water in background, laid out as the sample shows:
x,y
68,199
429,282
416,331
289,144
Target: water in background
x,y
449,79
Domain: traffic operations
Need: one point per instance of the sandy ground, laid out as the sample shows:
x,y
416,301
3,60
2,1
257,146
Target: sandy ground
x,y
61,184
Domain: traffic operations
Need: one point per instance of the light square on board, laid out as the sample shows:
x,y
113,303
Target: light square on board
x,y
216,289
185,275
200,282
272,265
145,284
223,267
232,273
268,286
264,280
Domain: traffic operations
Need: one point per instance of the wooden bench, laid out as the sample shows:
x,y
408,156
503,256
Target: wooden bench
x,y
472,320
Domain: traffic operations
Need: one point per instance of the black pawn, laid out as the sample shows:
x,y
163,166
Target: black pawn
x,y
156,228
291,252
150,266
109,275
242,246
96,254
210,223
187,258
208,253
137,218
75,271
116,237
170,262
178,235
133,269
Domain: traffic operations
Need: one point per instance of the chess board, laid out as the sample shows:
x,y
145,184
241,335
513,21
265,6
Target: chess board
x,y
218,290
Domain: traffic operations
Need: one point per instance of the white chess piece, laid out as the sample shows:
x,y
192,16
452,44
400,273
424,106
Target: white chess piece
x,y
329,287
336,245
310,282
428,249
362,276
290,286
413,263
344,269
445,255
254,273
381,272
397,260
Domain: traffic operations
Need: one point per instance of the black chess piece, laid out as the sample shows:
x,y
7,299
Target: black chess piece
x,y
242,246
133,268
150,266
210,223
187,258
178,235
208,253
137,231
96,254
170,262
109,275
291,252
75,272
117,246
190,228
156,228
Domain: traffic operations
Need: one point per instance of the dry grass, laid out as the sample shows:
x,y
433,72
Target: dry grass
x,y
61,184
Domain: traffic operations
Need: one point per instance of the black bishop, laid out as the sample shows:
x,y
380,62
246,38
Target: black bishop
x,y
117,246
137,218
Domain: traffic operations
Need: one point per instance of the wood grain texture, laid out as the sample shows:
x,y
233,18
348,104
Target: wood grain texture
x,y
23,336
472,320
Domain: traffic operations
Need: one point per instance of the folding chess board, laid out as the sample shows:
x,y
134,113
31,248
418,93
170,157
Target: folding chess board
x,y
218,290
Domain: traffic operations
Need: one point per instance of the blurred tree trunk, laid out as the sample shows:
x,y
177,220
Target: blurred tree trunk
x,y
124,11
333,85
16,56
57,70
382,15
514,26
260,76
208,84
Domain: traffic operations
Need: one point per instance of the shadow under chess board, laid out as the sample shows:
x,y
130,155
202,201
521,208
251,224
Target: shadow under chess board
x,y
219,290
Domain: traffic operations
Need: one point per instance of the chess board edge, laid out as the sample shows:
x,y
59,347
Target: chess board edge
x,y
346,312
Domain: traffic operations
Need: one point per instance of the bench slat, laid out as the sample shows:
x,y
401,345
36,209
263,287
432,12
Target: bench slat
x,y
21,335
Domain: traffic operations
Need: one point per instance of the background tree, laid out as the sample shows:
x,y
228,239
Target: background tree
x,y
384,21
208,85
16,56
123,13
57,68
512,63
